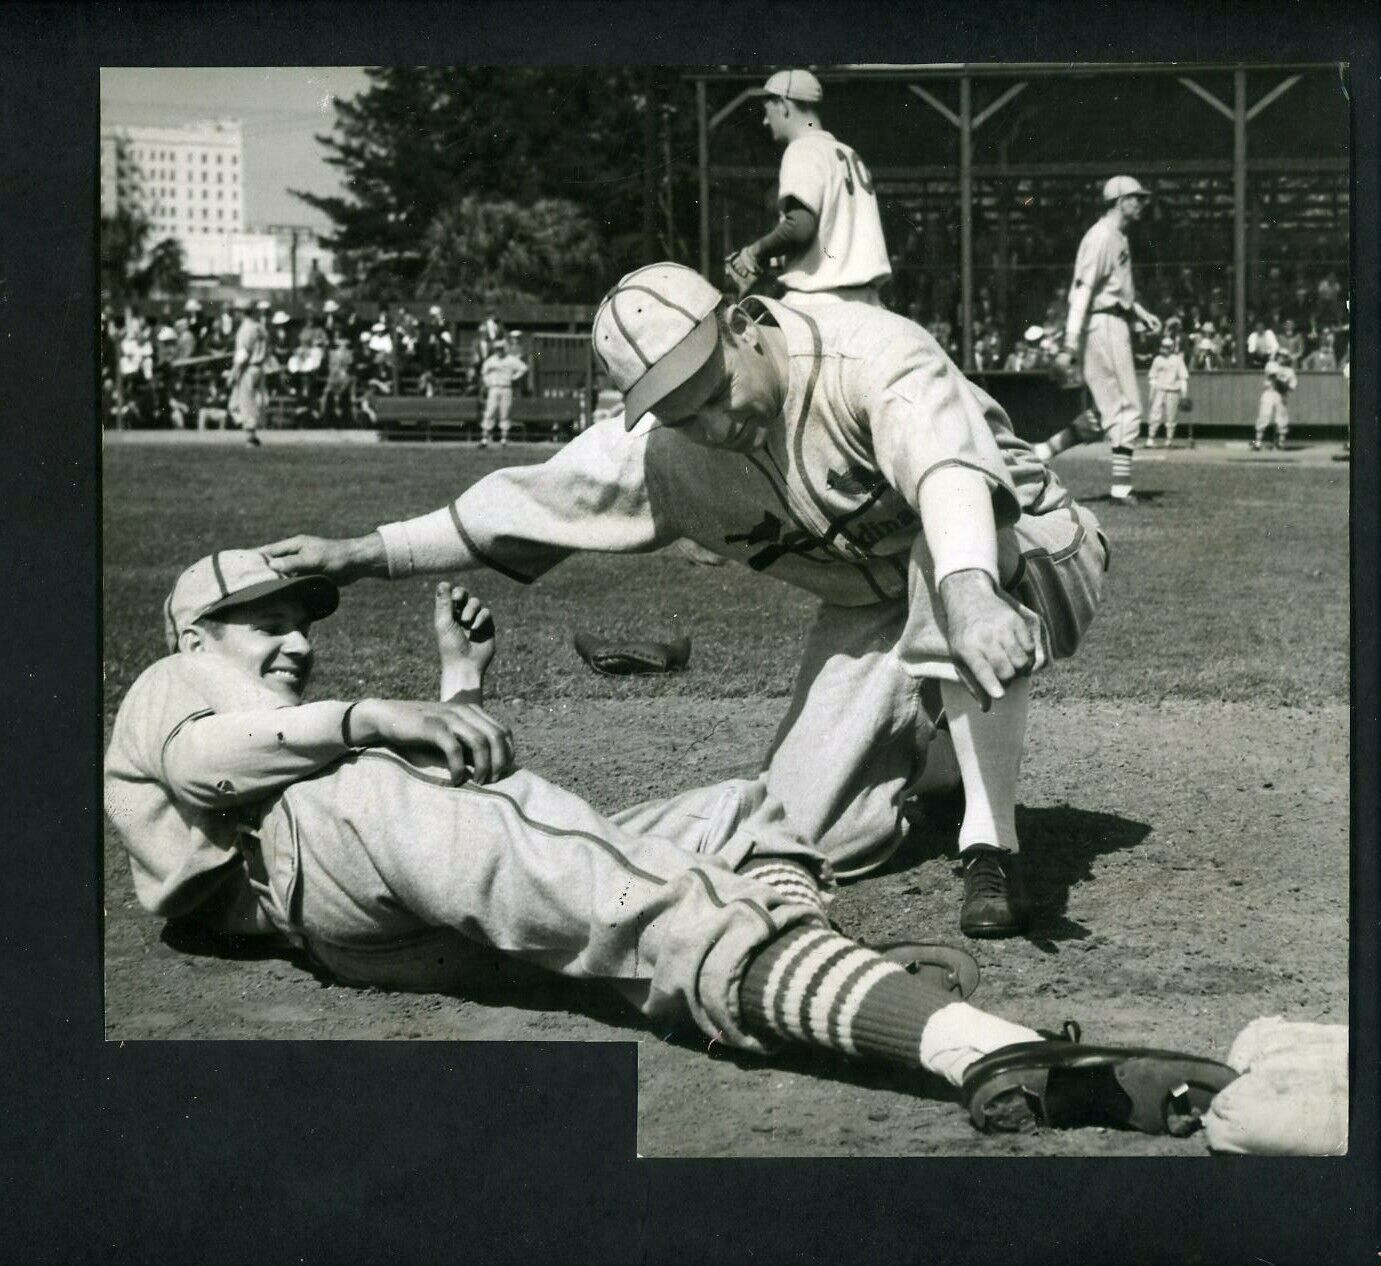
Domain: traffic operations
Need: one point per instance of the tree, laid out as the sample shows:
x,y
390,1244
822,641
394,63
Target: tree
x,y
123,236
166,270
492,250
418,141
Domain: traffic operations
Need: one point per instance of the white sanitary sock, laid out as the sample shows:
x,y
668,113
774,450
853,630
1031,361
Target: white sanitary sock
x,y
958,1035
988,746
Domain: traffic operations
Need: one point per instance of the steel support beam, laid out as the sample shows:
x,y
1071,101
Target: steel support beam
x,y
966,214
1239,216
702,124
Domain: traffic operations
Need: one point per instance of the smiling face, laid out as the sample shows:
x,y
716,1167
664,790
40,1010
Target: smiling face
x,y
735,398
268,640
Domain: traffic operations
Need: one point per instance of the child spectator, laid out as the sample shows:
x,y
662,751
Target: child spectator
x,y
1273,410
1168,379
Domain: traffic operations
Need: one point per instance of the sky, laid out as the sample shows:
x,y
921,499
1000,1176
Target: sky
x,y
283,109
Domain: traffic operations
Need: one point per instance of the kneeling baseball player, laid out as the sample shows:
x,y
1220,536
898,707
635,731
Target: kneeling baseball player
x,y
395,840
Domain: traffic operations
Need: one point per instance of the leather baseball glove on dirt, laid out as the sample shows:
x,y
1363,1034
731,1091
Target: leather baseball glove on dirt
x,y
623,659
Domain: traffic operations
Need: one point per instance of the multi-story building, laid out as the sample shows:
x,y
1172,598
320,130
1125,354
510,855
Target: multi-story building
x,y
187,181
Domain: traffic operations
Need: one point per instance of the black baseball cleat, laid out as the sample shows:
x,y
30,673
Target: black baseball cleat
x,y
1063,1085
254,440
946,967
994,897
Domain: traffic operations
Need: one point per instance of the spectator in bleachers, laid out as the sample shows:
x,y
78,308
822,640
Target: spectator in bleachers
x,y
186,345
220,338
1324,358
1262,344
137,373
307,359
1208,348
500,370
1292,341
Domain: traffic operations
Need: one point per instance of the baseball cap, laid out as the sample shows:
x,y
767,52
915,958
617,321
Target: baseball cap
x,y
1166,344
263,305
232,578
280,317
330,306
191,306
1034,333
1121,186
653,331
794,85
434,310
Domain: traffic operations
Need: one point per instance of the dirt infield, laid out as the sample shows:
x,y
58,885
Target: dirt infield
x,y
1185,816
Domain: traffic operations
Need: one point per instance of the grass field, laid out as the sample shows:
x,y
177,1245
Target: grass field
x,y
1184,799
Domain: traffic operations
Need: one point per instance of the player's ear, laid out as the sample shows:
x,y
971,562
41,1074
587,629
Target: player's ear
x,y
191,640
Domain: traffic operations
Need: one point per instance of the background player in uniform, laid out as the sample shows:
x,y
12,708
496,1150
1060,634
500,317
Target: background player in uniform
x,y
246,375
840,450
500,370
1098,327
1168,379
387,840
1273,409
830,230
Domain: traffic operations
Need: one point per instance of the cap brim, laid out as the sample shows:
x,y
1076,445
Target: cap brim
x,y
675,368
318,594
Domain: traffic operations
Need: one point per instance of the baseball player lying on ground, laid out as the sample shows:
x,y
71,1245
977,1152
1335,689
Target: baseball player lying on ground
x,y
395,842
839,450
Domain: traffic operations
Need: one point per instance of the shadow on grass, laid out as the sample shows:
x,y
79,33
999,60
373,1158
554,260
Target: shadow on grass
x,y
1059,845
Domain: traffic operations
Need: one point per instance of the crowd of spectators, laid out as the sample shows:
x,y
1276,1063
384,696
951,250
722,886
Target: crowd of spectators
x,y
326,367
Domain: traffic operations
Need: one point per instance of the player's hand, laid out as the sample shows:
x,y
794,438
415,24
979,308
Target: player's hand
x,y
994,638
1151,321
741,270
464,639
464,734
1064,370
343,561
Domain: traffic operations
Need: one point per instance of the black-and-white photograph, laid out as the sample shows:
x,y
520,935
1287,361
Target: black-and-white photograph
x,y
835,574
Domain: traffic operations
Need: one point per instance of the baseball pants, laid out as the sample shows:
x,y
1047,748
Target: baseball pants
x,y
1110,374
1272,412
388,875
856,739
498,407
248,399
803,300
1165,408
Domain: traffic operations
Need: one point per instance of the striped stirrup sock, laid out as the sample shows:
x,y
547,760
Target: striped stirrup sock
x,y
792,879
814,986
1121,471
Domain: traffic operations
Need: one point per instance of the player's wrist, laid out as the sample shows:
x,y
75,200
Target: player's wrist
x,y
366,556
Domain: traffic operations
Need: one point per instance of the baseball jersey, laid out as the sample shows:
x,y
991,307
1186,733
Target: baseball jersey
x,y
1168,373
1104,268
195,741
829,505
1280,378
502,371
251,343
830,180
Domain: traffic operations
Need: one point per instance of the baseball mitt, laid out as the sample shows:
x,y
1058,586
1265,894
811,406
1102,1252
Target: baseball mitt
x,y
741,271
623,659
1186,405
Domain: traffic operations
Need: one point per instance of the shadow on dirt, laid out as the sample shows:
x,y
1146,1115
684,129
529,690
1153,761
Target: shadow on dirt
x,y
491,980
1059,845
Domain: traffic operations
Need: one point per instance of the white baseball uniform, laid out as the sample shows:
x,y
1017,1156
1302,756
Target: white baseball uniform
x,y
847,258
498,373
260,818
1104,268
831,505
1168,379
1272,410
